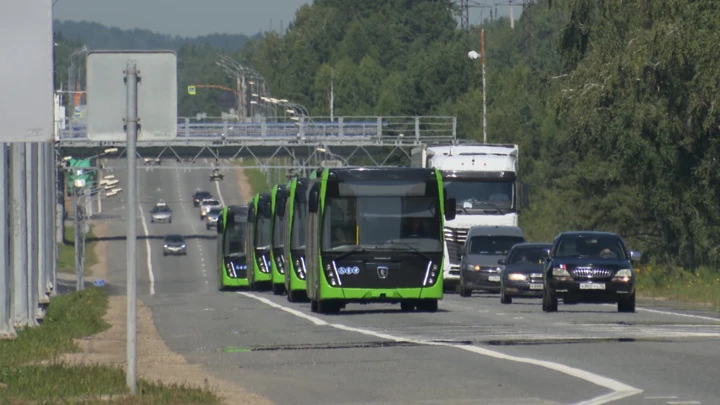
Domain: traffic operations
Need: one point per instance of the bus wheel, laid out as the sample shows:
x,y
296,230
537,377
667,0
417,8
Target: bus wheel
x,y
313,306
406,306
328,306
428,305
278,289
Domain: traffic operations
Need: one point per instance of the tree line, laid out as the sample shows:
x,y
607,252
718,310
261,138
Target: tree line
x,y
611,101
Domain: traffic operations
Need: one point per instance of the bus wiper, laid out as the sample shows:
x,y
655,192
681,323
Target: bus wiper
x,y
412,249
355,250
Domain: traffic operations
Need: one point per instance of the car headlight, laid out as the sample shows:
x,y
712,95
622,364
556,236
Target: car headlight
x,y
560,273
624,275
517,277
472,267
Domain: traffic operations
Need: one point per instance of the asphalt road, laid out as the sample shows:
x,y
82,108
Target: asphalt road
x,y
473,351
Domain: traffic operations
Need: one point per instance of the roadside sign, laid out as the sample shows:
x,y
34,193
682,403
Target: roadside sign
x,y
191,90
107,95
26,71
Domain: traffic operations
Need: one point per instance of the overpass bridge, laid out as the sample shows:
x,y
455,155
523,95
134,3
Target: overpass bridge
x,y
372,140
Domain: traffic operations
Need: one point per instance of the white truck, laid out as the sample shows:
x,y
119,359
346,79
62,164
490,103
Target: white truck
x,y
483,179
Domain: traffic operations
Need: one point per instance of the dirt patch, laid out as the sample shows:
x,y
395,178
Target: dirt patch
x,y
243,184
156,362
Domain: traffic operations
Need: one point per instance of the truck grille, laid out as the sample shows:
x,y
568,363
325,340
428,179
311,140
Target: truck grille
x,y
455,240
591,273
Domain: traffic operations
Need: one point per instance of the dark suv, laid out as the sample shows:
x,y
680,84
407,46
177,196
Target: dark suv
x,y
591,267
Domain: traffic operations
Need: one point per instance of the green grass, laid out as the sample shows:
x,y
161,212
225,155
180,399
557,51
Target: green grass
x,y
258,180
701,286
25,379
66,261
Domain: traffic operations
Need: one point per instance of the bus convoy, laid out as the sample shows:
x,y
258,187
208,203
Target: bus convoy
x,y
342,235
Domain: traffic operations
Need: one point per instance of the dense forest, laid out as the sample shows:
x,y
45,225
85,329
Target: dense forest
x,y
611,101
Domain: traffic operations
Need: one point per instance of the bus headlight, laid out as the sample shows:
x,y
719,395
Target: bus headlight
x,y
332,275
300,268
431,273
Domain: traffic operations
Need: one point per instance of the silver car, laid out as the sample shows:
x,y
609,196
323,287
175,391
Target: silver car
x,y
211,218
161,212
206,205
174,245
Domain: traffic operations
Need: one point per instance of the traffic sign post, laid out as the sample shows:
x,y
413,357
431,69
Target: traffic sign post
x,y
156,95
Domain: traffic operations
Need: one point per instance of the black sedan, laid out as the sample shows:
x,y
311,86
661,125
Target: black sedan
x,y
592,267
522,275
200,195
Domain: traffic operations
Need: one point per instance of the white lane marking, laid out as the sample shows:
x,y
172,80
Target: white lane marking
x,y
657,311
151,275
619,389
220,196
662,397
706,318
316,321
684,402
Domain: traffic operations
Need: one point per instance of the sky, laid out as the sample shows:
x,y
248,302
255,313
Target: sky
x,y
189,18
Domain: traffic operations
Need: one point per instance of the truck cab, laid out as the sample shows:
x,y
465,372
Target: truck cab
x,y
483,179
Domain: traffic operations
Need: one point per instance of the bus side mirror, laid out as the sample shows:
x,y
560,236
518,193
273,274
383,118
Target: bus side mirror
x,y
313,201
524,196
219,225
280,201
267,209
450,209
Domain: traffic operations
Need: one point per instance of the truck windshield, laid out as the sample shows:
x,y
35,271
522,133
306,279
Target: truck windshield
x,y
481,196
380,214
234,239
297,236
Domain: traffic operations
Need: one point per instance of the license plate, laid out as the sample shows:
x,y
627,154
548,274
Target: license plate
x,y
591,286
536,286
494,278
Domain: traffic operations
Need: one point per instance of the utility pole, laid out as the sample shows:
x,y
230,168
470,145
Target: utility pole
x,y
484,88
80,272
512,15
332,95
131,123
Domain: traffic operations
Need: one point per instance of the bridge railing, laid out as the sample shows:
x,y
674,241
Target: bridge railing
x,y
420,128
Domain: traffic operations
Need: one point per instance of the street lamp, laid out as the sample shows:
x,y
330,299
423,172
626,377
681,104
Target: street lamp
x,y
474,55
332,155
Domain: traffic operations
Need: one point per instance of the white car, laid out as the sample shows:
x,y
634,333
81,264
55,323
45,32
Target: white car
x,y
207,205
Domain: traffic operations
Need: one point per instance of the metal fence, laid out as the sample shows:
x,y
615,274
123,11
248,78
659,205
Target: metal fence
x,y
421,128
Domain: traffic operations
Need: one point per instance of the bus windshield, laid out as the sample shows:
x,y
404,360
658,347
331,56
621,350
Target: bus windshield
x,y
382,214
263,232
234,239
297,235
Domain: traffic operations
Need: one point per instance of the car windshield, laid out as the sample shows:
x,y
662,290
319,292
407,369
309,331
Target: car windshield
x,y
493,245
527,255
214,212
162,208
174,239
590,246
211,202
203,195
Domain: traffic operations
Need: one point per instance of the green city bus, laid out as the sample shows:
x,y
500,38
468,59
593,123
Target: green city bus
x,y
375,234
277,255
258,241
231,256
295,219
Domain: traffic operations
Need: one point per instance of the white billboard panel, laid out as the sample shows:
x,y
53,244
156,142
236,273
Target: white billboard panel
x,y
107,94
26,71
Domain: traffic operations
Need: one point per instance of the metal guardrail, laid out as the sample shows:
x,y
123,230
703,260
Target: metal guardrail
x,y
421,128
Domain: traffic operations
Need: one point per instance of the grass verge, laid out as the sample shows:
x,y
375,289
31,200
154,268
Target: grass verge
x,y
66,261
701,286
30,372
258,180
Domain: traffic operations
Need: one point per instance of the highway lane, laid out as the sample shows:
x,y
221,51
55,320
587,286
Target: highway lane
x,y
282,351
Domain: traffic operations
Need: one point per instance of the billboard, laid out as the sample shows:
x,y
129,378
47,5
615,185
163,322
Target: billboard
x,y
26,71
